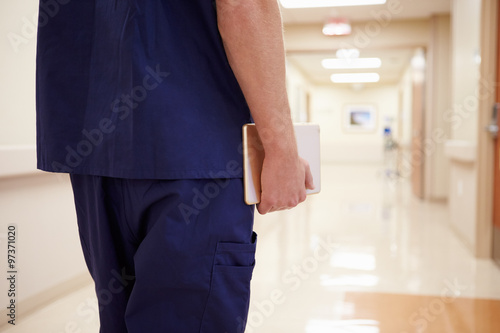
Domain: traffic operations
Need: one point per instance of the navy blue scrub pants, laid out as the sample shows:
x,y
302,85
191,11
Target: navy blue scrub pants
x,y
169,256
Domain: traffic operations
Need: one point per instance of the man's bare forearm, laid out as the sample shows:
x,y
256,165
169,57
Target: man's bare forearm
x,y
253,38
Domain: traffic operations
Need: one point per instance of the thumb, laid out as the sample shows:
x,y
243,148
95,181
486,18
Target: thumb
x,y
263,207
309,179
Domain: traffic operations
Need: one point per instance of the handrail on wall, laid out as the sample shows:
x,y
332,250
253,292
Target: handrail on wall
x,y
17,160
461,150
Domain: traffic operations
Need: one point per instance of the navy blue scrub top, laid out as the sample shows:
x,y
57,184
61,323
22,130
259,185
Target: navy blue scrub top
x,y
136,89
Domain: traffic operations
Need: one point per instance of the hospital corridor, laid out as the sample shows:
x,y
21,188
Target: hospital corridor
x,y
404,235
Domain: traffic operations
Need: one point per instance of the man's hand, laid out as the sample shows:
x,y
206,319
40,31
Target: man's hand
x,y
284,181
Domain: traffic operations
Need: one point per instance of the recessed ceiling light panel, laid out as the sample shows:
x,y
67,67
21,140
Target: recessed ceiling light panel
x,y
328,3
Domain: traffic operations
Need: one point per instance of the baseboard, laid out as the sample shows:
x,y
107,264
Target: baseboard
x,y
462,238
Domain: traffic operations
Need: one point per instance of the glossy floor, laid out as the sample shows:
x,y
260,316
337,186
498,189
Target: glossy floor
x,y
364,256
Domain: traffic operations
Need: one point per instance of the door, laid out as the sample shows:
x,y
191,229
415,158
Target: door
x,y
496,196
417,151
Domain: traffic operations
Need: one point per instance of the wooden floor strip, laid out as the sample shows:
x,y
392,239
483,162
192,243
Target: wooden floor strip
x,y
433,314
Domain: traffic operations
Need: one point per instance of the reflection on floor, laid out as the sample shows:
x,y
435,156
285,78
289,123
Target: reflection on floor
x,y
360,256
364,256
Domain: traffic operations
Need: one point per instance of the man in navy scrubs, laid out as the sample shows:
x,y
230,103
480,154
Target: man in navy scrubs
x,y
142,103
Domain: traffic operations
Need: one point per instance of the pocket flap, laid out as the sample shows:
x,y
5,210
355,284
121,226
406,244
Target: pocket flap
x,y
236,254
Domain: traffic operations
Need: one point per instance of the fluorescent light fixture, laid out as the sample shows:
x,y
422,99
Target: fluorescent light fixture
x,y
328,3
347,53
355,77
351,63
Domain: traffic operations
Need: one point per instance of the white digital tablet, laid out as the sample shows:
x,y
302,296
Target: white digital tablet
x,y
308,145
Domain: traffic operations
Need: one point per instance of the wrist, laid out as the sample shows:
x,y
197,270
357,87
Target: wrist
x,y
280,144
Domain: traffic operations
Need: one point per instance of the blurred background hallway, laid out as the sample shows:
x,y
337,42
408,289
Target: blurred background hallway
x,y
405,235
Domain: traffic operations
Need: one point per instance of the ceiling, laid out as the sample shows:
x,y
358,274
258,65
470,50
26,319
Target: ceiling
x,y
394,61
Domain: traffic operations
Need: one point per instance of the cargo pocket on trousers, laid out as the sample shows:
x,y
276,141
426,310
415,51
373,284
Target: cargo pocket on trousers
x,y
227,306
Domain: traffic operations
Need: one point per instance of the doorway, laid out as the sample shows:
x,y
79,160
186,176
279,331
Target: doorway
x,y
496,196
